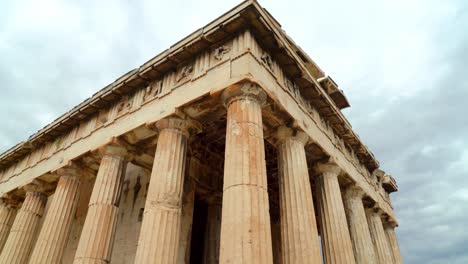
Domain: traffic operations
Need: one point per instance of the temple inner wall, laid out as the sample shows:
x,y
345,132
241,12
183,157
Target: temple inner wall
x,y
131,207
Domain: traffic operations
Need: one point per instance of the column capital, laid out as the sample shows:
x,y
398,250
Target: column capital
x,y
330,167
354,191
72,170
375,210
34,196
284,133
186,126
39,194
245,90
116,147
36,186
10,200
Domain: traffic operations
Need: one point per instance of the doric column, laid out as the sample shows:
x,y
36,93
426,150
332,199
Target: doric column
x,y
245,227
188,204
160,229
299,236
7,216
56,227
389,228
358,228
212,233
379,239
97,236
20,241
336,241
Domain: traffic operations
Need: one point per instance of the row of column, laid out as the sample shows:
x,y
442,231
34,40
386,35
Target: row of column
x,y
349,234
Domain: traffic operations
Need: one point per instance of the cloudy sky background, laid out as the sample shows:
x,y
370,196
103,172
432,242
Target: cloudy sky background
x,y
402,65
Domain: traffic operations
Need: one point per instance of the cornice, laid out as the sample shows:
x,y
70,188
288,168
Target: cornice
x,y
247,15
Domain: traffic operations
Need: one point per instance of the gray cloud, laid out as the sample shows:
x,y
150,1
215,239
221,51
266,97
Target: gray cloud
x,y
401,64
421,139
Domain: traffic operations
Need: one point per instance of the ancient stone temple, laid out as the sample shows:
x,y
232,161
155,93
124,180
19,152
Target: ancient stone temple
x,y
228,147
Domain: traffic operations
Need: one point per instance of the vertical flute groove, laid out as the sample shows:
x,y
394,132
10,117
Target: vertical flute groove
x,y
382,249
359,229
393,243
20,241
160,229
56,228
7,216
298,224
97,236
336,241
245,225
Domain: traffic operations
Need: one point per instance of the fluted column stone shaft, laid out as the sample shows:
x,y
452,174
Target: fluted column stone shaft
x,y
245,227
359,229
7,216
56,227
160,231
379,239
188,204
393,242
212,234
20,241
336,241
97,236
299,233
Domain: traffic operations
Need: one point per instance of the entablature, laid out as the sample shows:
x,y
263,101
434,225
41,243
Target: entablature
x,y
244,31
389,184
247,15
335,93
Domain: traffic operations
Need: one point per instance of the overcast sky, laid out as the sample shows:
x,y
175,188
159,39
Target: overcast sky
x,y
401,63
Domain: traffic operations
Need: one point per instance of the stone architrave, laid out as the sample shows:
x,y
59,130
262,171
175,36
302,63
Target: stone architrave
x,y
160,230
20,241
379,238
299,235
389,228
97,236
336,241
53,237
359,229
245,225
7,216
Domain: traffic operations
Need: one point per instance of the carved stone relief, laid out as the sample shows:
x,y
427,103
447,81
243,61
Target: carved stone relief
x,y
266,58
220,51
185,72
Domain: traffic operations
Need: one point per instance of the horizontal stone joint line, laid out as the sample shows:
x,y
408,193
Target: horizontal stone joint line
x,y
246,184
164,206
246,122
103,204
84,258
